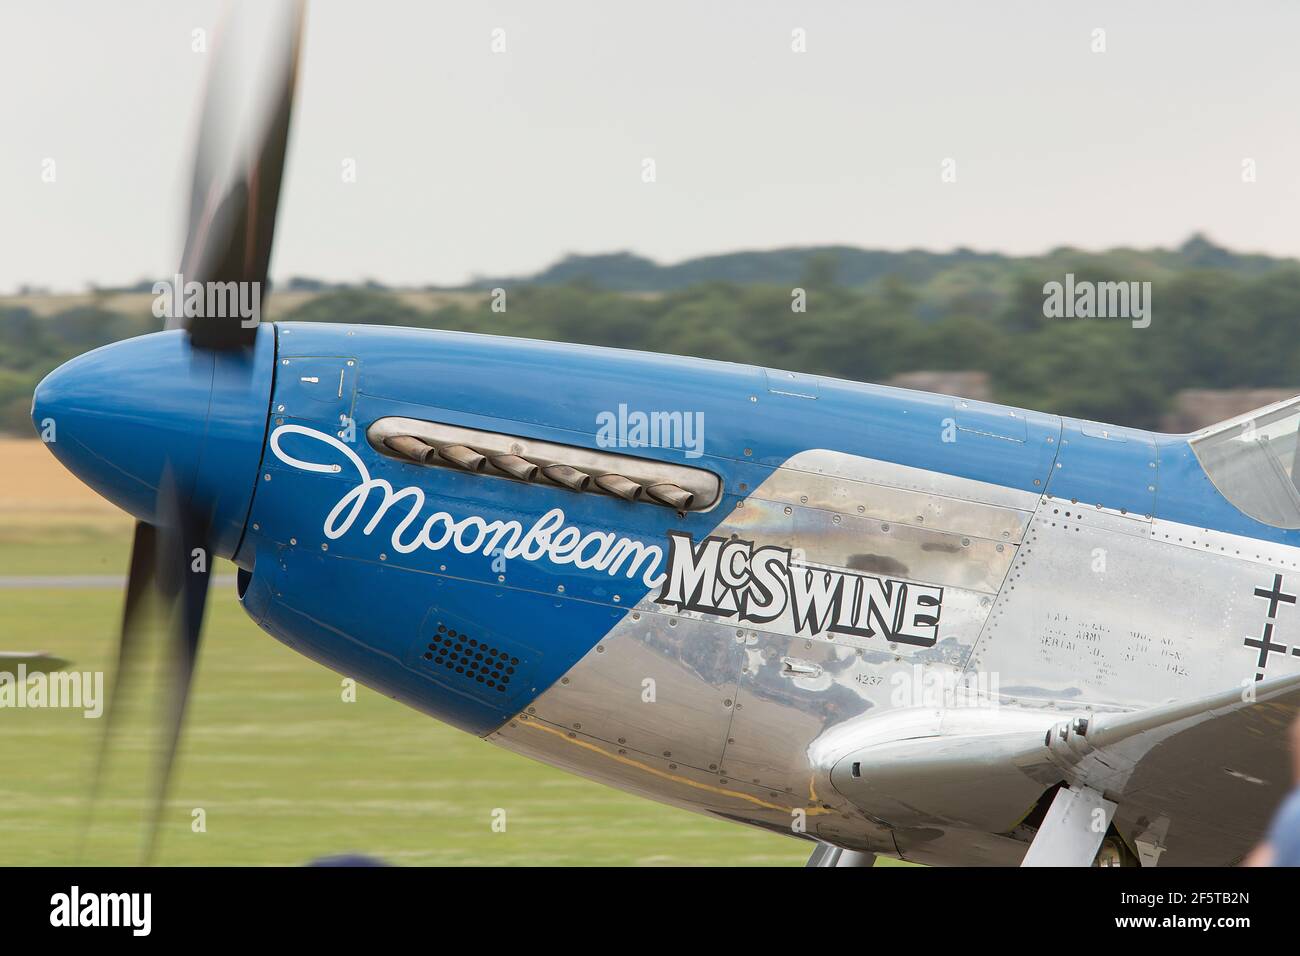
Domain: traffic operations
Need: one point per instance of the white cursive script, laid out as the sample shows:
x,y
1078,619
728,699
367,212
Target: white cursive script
x,y
549,538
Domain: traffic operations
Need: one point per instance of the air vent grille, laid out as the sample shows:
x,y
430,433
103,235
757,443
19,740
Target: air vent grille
x,y
475,660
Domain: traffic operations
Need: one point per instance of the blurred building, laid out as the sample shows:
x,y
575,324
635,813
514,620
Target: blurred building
x,y
962,384
1194,408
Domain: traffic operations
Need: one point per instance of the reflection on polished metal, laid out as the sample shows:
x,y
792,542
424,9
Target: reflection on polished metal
x,y
826,855
834,729
763,703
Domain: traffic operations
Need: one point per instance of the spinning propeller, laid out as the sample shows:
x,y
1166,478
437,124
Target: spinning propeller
x,y
186,470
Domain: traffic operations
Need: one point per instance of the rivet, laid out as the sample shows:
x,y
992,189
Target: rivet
x,y
293,540
600,648
383,557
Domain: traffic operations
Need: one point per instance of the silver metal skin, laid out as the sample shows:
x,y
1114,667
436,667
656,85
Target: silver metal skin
x,y
1073,829
940,753
826,855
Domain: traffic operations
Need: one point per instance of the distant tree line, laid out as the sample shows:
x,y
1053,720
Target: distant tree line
x,y
1219,320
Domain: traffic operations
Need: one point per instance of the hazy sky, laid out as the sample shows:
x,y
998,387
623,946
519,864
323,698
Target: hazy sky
x,y
470,161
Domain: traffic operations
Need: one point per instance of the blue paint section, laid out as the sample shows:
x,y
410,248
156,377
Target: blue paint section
x,y
114,431
1106,465
1188,496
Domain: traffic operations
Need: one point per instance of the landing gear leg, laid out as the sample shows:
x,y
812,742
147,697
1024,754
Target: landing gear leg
x,y
1073,829
827,855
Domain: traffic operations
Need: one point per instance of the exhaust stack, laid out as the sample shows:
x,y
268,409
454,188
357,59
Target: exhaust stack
x,y
462,457
515,467
620,487
409,447
671,494
570,478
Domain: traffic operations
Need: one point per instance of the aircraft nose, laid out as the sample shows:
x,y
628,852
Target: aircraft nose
x,y
123,416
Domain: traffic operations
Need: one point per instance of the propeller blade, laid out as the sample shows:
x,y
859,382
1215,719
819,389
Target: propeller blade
x,y
184,575
140,582
239,160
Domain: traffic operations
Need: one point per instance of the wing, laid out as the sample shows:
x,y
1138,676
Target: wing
x,y
1199,779
1194,783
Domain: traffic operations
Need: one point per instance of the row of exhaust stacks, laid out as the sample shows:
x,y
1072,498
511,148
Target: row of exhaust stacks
x,y
521,469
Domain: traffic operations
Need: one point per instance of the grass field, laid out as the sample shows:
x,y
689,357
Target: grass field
x,y
282,768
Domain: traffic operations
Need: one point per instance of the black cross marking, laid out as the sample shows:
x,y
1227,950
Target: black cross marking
x,y
1275,596
1265,645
